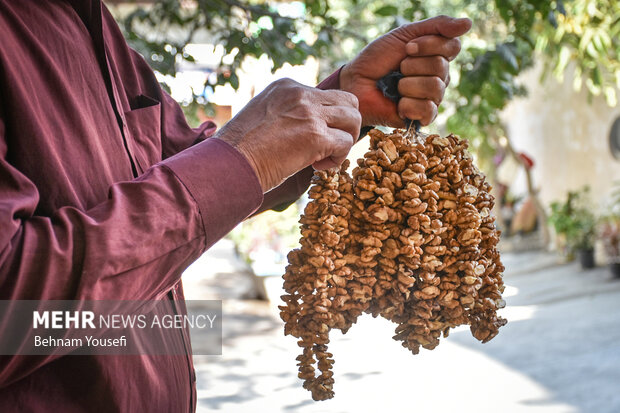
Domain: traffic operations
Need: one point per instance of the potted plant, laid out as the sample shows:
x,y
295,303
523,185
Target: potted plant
x,y
610,235
610,231
575,225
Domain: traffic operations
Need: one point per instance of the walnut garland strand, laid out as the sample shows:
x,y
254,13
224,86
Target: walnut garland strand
x,y
409,237
316,275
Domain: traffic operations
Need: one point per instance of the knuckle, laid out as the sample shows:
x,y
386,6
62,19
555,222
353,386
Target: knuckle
x,y
302,91
349,113
440,95
428,112
304,110
402,108
403,66
331,94
358,117
284,82
355,101
455,46
436,82
440,63
410,108
294,92
429,106
348,98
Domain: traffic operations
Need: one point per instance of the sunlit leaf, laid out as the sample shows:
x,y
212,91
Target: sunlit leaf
x,y
388,10
610,96
563,59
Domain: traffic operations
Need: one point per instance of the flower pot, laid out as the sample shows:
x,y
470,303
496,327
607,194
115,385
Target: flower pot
x,y
586,258
615,269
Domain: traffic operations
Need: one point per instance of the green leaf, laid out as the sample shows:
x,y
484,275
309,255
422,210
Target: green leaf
x,y
577,79
234,81
600,43
593,52
596,77
387,11
586,39
508,56
563,59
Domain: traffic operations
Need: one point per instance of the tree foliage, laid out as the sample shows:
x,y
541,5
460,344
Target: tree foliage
x,y
286,32
507,38
583,33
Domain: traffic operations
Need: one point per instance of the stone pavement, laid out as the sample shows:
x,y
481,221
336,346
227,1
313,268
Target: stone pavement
x,y
559,352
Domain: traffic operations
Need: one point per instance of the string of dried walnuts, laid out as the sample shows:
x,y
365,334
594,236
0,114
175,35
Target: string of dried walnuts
x,y
409,237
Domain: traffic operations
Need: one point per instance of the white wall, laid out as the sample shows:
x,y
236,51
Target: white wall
x,y
567,136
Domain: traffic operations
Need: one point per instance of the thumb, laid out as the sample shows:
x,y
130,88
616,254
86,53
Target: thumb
x,y
442,25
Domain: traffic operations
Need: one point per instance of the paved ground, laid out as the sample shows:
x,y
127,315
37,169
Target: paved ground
x,y
560,351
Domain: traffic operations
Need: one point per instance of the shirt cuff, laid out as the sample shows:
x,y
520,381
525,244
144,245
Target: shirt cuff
x,y
332,81
221,181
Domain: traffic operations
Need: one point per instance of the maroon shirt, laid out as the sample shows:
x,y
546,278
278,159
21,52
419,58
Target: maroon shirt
x,y
105,193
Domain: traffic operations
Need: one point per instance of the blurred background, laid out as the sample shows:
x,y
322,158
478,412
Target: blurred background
x,y
534,90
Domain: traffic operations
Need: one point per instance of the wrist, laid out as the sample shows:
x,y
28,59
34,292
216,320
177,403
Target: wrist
x,y
250,159
237,144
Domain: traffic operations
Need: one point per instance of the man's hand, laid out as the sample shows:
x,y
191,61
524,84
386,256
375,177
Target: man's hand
x,y
421,51
290,126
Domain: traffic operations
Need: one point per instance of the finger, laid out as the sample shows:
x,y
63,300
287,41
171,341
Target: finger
x,y
326,163
442,25
345,118
434,46
338,143
337,98
422,87
426,66
423,110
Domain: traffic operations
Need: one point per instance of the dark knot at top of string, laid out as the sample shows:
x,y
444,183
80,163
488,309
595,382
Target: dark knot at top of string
x,y
388,85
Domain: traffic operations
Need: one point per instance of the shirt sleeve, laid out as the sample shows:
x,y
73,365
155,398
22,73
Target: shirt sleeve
x,y
132,246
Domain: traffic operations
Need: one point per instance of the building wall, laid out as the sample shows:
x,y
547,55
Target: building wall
x,y
567,136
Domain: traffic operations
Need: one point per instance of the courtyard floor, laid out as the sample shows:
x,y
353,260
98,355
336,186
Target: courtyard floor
x,y
559,352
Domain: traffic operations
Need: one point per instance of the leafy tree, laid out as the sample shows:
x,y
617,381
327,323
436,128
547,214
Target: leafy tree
x,y
507,37
286,32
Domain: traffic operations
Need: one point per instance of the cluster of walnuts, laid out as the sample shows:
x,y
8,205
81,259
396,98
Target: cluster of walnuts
x,y
409,236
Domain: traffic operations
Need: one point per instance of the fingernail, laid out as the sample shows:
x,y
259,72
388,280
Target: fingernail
x,y
412,48
462,19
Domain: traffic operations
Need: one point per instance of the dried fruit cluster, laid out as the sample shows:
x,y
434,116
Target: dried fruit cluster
x,y
409,237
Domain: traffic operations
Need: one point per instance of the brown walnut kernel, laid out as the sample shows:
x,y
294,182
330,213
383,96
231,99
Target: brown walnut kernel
x,y
408,236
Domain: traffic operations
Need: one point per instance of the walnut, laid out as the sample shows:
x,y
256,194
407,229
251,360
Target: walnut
x,y
409,236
